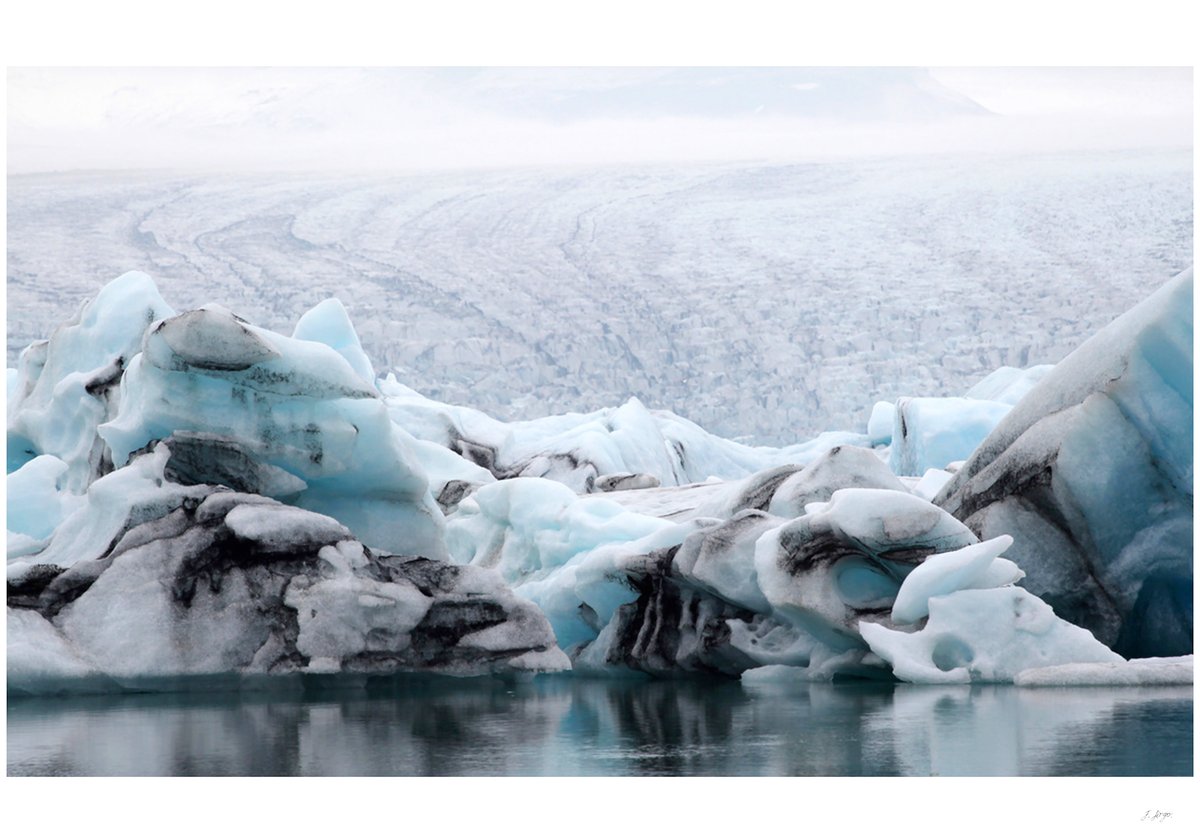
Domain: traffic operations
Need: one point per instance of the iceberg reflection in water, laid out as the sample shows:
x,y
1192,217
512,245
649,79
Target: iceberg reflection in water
x,y
572,727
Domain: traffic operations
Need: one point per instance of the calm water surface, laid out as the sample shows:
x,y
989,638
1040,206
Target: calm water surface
x,y
577,727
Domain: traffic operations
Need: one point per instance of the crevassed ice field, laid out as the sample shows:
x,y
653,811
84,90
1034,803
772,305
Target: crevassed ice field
x,y
764,302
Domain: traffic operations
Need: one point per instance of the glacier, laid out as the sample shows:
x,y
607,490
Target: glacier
x,y
766,301
194,497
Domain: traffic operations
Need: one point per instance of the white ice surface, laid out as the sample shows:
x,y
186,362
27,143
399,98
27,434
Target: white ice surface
x,y
329,323
39,656
92,528
931,483
1174,670
557,549
977,566
984,635
867,522
879,424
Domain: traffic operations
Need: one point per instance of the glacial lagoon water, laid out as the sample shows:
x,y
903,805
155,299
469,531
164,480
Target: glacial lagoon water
x,y
563,726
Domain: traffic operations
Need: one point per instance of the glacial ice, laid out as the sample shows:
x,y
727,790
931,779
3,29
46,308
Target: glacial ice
x,y
578,449
294,405
233,500
329,323
849,556
562,551
625,590
1172,670
930,484
527,527
840,468
38,501
1091,473
66,386
880,422
977,566
113,504
757,298
980,626
201,581
1008,384
40,659
984,635
929,433
727,588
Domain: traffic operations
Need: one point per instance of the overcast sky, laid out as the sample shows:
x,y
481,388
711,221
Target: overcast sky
x,y
408,119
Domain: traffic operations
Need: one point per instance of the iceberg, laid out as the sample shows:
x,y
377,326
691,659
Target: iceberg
x,y
980,627
202,581
977,566
1091,473
848,557
880,423
984,635
221,500
748,590
66,386
929,433
605,450
726,587
329,323
295,406
958,617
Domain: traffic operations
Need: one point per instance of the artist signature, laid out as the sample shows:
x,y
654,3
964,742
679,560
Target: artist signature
x,y
1155,816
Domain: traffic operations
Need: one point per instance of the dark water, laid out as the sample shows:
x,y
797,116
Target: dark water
x,y
575,727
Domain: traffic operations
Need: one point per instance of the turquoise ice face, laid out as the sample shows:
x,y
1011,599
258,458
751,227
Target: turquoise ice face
x,y
867,583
